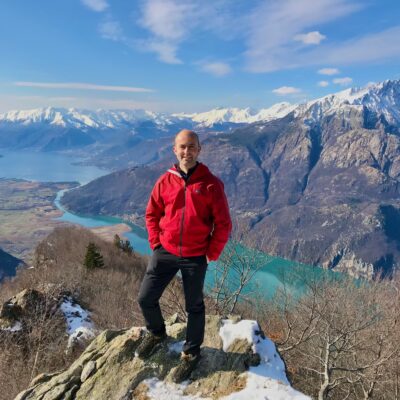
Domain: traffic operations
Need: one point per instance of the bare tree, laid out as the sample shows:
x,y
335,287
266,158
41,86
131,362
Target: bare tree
x,y
234,272
341,338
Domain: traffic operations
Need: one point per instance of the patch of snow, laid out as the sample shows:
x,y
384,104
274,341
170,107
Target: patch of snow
x,y
160,390
176,347
16,327
244,329
268,380
79,325
265,388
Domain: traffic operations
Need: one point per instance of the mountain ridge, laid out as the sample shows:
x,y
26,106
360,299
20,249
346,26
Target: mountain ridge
x,y
369,96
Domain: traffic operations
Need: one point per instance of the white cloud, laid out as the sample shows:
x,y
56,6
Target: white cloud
x,y
310,38
112,30
285,90
217,68
171,22
96,5
84,86
166,19
328,71
166,51
343,81
277,35
168,22
323,83
273,25
381,46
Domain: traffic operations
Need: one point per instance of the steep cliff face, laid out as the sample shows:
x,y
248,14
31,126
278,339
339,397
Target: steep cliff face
x,y
309,190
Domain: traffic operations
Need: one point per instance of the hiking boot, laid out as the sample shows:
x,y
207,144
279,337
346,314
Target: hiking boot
x,y
185,367
148,344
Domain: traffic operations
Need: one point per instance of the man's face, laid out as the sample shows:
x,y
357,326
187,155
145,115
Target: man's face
x,y
186,149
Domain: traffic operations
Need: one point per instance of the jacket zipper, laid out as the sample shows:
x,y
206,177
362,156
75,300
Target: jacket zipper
x,y
183,217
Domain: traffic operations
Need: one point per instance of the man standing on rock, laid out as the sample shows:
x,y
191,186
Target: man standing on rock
x,y
188,223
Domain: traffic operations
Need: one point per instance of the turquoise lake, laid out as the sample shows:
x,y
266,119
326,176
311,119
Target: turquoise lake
x,y
49,167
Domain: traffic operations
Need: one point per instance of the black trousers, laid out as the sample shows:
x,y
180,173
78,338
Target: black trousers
x,y
162,268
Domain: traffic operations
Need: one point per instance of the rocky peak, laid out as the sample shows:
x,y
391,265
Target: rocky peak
x,y
238,362
381,99
21,306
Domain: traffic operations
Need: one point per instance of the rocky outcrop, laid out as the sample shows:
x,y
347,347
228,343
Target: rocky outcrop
x,y
53,310
32,310
231,363
22,306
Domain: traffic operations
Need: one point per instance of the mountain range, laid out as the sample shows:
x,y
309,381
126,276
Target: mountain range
x,y
381,97
320,185
121,138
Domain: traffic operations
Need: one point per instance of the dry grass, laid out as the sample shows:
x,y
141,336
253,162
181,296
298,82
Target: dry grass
x,y
109,293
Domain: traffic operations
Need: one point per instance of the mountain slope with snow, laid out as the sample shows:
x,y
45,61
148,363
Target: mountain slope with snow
x,y
81,119
382,98
239,115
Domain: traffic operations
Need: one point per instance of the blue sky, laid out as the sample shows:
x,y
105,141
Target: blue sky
x,y
191,55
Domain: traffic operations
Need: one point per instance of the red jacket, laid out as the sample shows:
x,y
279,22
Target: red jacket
x,y
189,219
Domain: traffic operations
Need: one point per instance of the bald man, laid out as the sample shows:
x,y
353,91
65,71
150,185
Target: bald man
x,y
188,222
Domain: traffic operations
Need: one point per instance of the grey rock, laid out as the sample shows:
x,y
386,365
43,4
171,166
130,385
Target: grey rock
x,y
88,369
108,368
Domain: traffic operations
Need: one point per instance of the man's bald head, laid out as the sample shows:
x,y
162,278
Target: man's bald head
x,y
187,133
187,148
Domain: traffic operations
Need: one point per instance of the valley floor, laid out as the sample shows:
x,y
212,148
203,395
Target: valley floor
x,y
27,214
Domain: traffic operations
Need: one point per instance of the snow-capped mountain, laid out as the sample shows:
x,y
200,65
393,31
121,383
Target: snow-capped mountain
x,y
84,119
234,115
381,98
51,129
114,119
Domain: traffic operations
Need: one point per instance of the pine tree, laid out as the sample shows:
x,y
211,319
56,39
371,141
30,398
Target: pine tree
x,y
117,241
93,258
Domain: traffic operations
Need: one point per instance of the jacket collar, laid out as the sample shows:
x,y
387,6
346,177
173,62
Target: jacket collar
x,y
200,170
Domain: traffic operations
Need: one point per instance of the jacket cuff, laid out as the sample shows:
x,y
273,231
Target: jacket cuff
x,y
153,246
212,256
